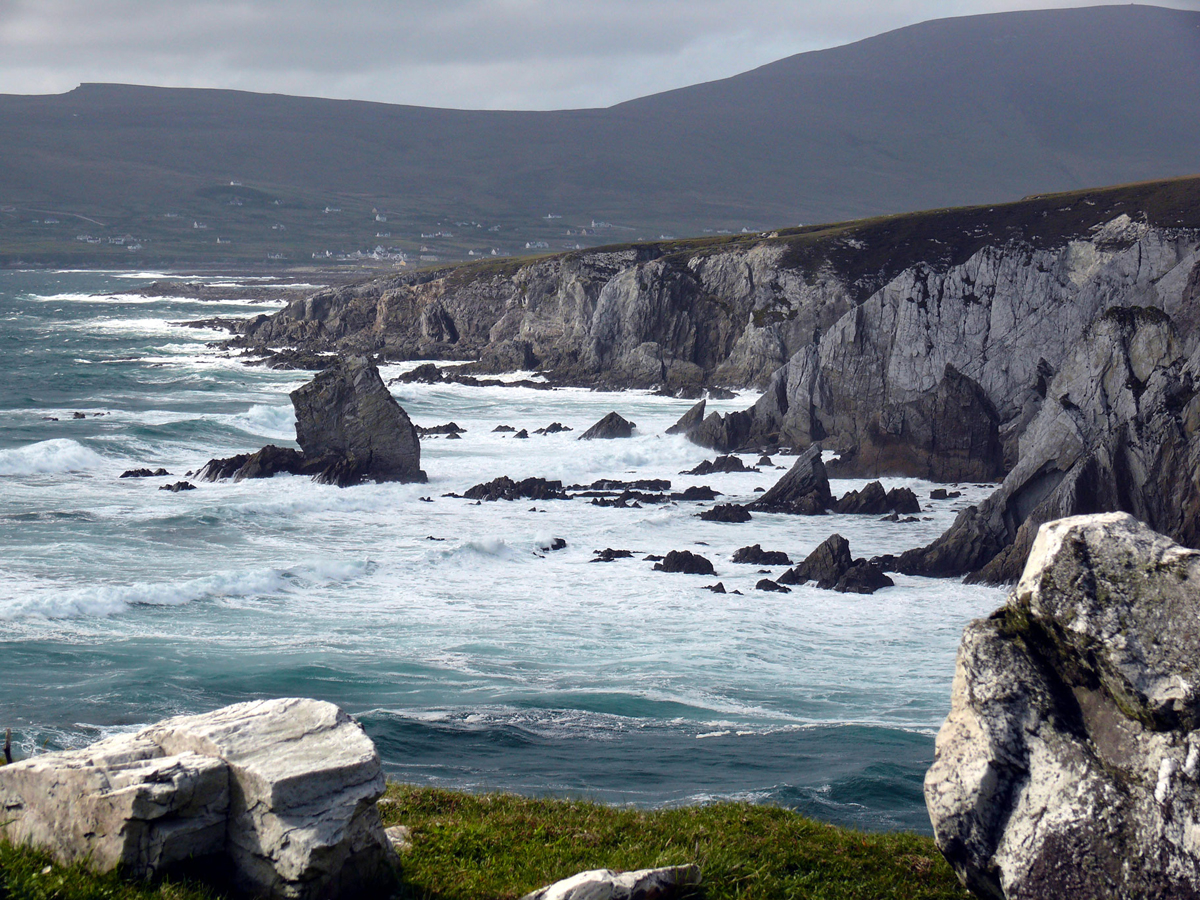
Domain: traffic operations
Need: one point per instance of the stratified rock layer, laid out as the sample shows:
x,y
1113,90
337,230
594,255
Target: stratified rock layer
x,y
279,795
1069,765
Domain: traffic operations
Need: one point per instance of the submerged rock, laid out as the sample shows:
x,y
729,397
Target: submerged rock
x,y
280,794
608,554
611,426
803,490
766,584
1069,765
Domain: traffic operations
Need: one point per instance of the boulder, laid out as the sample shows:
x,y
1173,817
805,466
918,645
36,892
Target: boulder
x,y
611,426
178,486
825,565
143,473
685,561
554,428
346,415
608,554
803,490
689,421
667,883
1069,765
277,795
757,556
726,512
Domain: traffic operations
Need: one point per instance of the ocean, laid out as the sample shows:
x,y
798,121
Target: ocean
x,y
473,657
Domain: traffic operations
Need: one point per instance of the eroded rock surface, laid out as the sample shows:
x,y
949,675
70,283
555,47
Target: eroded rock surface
x,y
279,794
1069,765
611,426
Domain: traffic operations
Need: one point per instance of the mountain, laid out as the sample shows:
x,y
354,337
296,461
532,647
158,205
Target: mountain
x,y
950,112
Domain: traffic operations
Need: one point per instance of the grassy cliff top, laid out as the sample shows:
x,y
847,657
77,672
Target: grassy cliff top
x,y
496,846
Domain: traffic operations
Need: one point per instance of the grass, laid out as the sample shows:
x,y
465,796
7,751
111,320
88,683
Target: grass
x,y
500,846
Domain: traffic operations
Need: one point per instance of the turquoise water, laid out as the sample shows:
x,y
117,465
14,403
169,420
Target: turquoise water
x,y
474,659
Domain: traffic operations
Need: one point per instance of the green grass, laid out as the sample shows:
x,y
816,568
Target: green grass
x,y
497,846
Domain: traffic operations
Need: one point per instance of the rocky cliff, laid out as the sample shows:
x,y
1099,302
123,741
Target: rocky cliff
x,y
919,344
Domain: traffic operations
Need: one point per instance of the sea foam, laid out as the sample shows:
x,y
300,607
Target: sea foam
x,y
53,457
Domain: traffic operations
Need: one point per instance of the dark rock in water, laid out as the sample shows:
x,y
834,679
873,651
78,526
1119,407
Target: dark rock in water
x,y
553,428
825,565
611,426
870,501
804,490
79,415
942,494
426,373
766,584
653,557
522,435
864,577
699,492
720,464
501,429
895,517
718,588
765,461
757,556
425,499
689,421
454,436
903,501
1068,764
716,393
346,417
609,554
724,433
613,484
685,562
726,512
144,473
447,429
178,486
265,463
556,544
1119,431
504,488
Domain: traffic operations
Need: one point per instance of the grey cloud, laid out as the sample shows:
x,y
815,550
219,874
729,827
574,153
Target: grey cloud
x,y
534,54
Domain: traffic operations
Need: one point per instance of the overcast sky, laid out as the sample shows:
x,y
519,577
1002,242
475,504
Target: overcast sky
x,y
477,54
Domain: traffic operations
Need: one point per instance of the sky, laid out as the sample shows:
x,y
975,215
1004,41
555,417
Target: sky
x,y
467,54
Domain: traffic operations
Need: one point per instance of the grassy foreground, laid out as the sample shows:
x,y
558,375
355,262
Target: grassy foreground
x,y
492,846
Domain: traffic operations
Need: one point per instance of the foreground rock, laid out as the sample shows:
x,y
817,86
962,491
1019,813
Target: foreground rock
x,y
349,427
604,884
1069,764
803,490
278,794
611,426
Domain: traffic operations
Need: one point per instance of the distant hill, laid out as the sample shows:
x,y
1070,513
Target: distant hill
x,y
950,112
